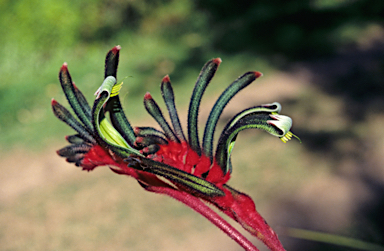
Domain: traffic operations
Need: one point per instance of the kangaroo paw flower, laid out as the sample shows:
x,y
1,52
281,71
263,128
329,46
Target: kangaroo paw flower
x,y
167,161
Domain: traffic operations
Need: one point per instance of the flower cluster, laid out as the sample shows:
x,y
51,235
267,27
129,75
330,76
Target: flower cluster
x,y
167,161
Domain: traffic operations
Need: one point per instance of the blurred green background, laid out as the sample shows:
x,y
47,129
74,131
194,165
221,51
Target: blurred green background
x,y
323,60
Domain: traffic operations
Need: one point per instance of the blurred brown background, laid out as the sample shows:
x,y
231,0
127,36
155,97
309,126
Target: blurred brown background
x,y
322,60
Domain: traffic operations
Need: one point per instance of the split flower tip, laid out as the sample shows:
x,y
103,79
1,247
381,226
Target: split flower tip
x,y
67,138
147,96
217,61
64,67
166,79
258,74
116,49
136,130
53,102
138,140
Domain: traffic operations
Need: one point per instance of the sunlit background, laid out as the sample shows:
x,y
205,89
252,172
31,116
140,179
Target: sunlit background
x,y
323,60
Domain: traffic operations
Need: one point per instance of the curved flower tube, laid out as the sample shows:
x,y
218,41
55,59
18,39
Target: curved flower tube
x,y
189,170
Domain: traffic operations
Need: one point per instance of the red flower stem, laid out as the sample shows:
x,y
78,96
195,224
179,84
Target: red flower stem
x,y
199,206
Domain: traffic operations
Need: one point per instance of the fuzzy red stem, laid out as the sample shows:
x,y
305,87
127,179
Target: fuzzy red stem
x,y
199,206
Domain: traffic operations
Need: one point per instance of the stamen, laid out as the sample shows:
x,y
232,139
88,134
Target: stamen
x,y
116,89
288,136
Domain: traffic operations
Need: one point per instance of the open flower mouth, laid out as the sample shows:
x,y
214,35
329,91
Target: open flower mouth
x,y
168,161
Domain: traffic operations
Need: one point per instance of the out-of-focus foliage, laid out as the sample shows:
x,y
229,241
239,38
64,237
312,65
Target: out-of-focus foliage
x,y
48,25
161,37
296,29
37,36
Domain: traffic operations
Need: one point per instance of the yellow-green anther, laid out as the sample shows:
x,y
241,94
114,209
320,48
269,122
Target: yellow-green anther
x,y
288,136
116,89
